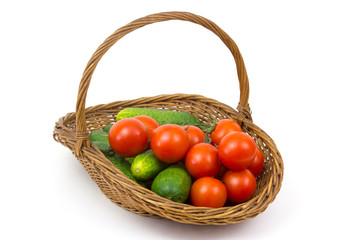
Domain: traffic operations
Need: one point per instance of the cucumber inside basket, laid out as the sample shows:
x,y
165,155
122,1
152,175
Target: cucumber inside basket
x,y
183,157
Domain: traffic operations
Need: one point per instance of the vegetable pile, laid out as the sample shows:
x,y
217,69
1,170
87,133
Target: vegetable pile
x,y
179,158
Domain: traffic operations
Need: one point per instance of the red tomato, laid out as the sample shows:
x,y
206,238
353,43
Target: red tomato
x,y
150,124
237,150
208,192
222,128
258,163
202,160
169,143
240,185
128,137
195,134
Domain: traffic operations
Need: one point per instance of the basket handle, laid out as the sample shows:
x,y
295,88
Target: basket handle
x,y
82,136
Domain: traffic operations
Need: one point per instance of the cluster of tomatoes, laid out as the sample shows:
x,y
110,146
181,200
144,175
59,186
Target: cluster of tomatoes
x,y
224,168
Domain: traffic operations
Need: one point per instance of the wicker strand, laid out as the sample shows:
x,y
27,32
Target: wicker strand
x,y
244,113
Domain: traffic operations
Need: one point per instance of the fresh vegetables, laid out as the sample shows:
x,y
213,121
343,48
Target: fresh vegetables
x,y
240,185
202,161
123,166
195,134
146,166
175,156
161,116
237,150
208,192
258,163
100,139
173,183
222,128
128,137
170,143
150,124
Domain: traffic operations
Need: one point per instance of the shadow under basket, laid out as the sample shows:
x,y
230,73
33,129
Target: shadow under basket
x,y
73,131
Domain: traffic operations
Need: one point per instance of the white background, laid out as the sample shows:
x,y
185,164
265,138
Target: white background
x,y
303,65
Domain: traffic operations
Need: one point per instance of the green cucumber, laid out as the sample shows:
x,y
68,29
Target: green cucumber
x,y
161,116
121,164
173,183
146,166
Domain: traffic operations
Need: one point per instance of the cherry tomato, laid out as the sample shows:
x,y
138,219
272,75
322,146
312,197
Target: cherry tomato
x,y
240,185
128,137
222,128
258,163
237,150
202,160
169,143
208,192
150,124
195,134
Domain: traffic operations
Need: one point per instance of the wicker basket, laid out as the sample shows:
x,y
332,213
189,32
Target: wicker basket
x,y
73,131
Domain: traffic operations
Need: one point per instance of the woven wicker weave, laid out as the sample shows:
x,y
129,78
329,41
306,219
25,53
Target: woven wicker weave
x,y
73,131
